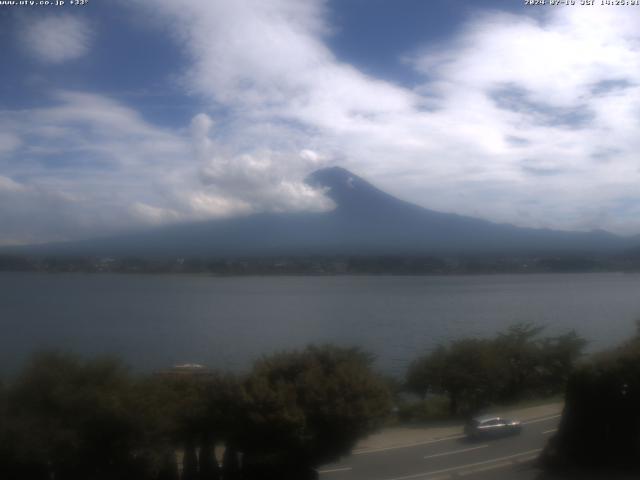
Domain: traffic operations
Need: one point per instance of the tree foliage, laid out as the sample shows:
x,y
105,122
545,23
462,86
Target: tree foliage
x,y
69,418
600,425
514,364
72,419
309,407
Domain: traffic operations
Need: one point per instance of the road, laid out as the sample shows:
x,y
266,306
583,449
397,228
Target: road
x,y
451,458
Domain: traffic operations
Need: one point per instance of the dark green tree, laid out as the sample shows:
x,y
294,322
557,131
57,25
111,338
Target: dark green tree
x,y
168,467
207,462
190,462
600,425
476,372
192,410
466,371
73,419
470,375
559,355
424,374
306,408
520,352
230,464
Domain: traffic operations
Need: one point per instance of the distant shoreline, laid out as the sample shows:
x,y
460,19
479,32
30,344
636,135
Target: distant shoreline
x,y
328,265
249,274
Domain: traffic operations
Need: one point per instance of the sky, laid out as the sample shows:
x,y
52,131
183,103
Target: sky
x,y
121,115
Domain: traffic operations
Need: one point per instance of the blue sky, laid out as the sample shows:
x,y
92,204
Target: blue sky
x,y
122,115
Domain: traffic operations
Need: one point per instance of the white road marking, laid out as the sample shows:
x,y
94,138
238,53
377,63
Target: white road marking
x,y
547,432
485,468
453,452
526,459
463,467
334,470
409,445
542,419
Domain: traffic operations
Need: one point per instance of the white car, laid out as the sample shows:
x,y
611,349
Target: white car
x,y
490,426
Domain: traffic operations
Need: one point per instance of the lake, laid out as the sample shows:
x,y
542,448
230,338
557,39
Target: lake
x,y
155,321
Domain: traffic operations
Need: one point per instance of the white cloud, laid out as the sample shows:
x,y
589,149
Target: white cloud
x,y
525,119
563,87
150,215
57,38
9,142
508,125
83,163
262,181
9,185
267,58
93,166
33,215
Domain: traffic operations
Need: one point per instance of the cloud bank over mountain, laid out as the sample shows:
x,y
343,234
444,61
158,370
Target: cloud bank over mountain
x,y
525,116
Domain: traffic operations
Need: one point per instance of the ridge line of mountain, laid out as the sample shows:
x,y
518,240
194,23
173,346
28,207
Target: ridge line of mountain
x,y
366,221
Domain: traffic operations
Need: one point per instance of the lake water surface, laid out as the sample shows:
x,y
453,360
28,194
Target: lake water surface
x,y
157,321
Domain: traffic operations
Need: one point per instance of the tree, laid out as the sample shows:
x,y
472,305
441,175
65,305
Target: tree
x,y
600,425
190,462
230,464
168,468
207,462
73,419
424,374
5,442
306,408
559,356
520,352
515,363
466,371
191,411
470,375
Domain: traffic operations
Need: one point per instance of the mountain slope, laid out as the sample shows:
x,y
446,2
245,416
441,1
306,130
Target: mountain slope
x,y
366,220
415,228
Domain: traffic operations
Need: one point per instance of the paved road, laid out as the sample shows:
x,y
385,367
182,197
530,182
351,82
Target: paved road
x,y
450,458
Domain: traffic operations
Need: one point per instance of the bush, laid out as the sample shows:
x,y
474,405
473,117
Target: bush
x,y
72,419
600,425
69,418
516,364
433,408
307,408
